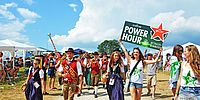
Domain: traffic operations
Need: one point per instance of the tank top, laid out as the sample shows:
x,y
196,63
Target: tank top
x,y
188,78
137,76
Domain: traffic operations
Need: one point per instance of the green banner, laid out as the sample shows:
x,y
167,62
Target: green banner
x,y
143,35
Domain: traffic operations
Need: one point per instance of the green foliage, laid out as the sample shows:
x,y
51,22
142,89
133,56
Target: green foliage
x,y
108,46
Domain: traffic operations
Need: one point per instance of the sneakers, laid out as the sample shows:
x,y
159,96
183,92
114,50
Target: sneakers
x,y
46,93
149,93
93,92
95,96
153,97
78,95
54,88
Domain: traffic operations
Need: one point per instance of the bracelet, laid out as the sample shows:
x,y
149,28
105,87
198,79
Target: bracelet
x,y
177,93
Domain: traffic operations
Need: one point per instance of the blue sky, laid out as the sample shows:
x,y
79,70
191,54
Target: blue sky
x,y
86,23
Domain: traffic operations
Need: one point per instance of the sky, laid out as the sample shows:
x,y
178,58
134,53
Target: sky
x,y
86,23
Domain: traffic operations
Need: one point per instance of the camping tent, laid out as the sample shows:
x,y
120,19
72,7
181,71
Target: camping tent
x,y
170,50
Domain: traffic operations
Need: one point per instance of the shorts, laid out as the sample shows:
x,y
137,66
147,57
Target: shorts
x,y
189,93
152,80
136,85
52,72
95,79
174,85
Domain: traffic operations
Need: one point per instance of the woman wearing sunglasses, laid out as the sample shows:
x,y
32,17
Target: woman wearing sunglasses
x,y
175,63
189,81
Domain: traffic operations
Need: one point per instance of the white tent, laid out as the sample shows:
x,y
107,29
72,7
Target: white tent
x,y
9,45
170,50
12,46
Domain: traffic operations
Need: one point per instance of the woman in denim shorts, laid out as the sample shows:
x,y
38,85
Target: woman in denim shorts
x,y
175,64
136,79
189,81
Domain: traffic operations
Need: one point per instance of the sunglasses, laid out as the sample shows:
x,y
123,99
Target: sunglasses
x,y
180,51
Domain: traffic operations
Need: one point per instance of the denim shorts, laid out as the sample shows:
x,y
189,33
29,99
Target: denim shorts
x,y
190,93
174,84
136,85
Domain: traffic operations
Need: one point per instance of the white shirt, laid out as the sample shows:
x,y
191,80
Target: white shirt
x,y
174,69
151,69
78,66
137,76
41,72
188,78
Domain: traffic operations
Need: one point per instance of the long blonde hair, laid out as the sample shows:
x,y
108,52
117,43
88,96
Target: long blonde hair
x,y
194,60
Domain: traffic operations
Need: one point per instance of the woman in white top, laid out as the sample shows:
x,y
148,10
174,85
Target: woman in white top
x,y
189,80
136,79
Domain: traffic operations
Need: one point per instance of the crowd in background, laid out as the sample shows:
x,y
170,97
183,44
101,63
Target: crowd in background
x,y
73,71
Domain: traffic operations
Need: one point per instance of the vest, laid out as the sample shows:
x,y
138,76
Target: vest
x,y
95,67
104,65
71,68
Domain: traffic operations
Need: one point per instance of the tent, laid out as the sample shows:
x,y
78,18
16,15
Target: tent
x,y
9,45
170,50
12,46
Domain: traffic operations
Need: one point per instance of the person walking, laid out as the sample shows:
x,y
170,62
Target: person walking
x,y
70,70
95,73
189,80
115,81
136,79
151,76
34,82
175,64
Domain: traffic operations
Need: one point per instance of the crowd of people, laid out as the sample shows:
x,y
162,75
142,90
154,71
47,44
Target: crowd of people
x,y
9,68
88,69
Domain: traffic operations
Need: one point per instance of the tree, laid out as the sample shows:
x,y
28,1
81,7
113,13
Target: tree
x,y
108,46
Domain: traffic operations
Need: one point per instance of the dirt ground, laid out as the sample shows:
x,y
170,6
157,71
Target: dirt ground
x,y
162,93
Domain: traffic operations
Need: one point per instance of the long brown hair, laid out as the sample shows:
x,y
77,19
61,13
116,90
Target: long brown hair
x,y
176,49
194,59
111,64
141,57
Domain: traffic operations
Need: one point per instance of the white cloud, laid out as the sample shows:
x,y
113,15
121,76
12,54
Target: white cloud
x,y
12,27
29,16
182,29
13,31
8,5
30,2
73,6
176,21
4,11
99,20
104,19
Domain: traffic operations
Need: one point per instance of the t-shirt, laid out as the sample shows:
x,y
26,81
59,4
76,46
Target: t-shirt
x,y
137,76
174,69
151,69
53,61
188,78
